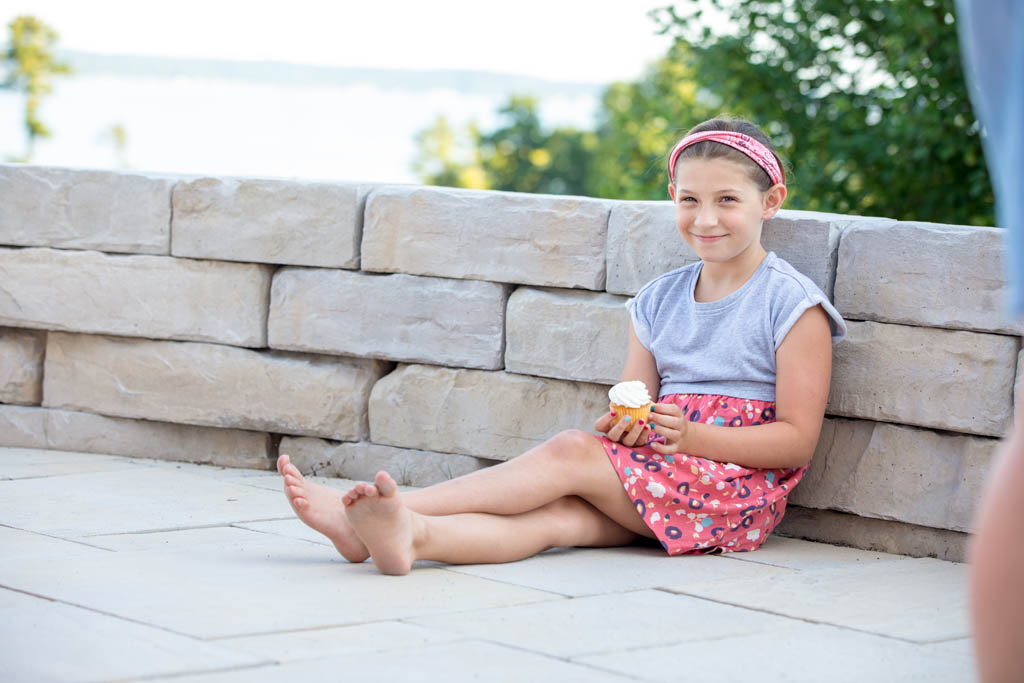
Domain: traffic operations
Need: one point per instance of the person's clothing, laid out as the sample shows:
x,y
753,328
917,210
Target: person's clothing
x,y
696,505
992,41
727,346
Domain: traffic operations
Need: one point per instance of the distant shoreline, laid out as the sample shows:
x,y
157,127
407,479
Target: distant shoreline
x,y
284,73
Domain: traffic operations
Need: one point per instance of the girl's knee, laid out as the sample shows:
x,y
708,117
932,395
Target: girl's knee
x,y
576,446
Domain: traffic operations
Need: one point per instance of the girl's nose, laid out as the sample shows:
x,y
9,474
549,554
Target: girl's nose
x,y
705,217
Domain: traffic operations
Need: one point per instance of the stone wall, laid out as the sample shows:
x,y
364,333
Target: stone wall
x,y
434,331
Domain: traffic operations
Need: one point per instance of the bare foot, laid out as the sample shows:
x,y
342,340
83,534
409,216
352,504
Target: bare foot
x,y
321,508
384,524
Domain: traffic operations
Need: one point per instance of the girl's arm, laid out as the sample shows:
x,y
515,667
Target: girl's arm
x,y
640,365
803,371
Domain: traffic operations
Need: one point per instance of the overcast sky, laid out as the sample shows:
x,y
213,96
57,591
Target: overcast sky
x,y
580,40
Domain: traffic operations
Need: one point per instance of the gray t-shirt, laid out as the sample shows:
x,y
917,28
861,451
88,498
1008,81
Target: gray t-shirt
x,y
725,347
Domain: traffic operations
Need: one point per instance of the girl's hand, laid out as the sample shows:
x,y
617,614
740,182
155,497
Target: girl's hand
x,y
625,431
668,422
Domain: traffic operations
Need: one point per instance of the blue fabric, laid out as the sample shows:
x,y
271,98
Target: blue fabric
x,y
992,43
725,347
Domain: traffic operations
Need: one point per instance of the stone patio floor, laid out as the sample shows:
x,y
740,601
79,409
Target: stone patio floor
x,y
118,568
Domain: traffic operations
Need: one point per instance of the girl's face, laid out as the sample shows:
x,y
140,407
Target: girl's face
x,y
719,209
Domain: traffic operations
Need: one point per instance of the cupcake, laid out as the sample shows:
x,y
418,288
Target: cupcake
x,y
630,398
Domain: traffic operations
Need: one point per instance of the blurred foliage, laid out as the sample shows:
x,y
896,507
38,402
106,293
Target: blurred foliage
x,y
865,98
30,66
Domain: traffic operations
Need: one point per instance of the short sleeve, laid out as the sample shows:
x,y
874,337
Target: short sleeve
x,y
795,306
641,318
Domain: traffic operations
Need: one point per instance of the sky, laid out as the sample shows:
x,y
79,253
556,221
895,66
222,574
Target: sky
x,y
596,41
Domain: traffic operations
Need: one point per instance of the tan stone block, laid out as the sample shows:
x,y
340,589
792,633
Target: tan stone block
x,y
955,380
266,220
362,461
494,415
399,317
21,365
567,334
643,243
66,430
501,236
125,212
889,471
210,384
881,535
145,296
925,274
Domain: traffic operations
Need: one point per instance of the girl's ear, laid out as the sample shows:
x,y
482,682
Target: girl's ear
x,y
773,199
672,191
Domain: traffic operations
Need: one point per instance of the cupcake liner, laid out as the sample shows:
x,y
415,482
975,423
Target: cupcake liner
x,y
635,414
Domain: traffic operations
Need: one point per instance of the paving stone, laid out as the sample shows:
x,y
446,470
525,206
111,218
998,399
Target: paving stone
x,y
21,366
952,380
888,471
49,641
926,601
210,384
30,463
17,544
400,317
126,212
179,540
361,461
567,570
906,273
269,220
283,584
383,636
795,553
143,296
467,660
794,652
572,628
70,430
828,526
109,502
494,415
289,528
643,243
580,336
499,236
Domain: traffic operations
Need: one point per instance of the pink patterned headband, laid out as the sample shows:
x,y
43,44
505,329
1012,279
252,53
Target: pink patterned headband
x,y
761,155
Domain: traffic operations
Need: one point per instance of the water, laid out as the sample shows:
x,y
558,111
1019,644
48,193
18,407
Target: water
x,y
355,132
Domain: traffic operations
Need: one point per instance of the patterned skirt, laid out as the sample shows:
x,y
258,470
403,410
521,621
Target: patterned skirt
x,y
699,505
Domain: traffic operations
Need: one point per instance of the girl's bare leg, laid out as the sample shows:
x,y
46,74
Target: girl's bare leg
x,y
396,536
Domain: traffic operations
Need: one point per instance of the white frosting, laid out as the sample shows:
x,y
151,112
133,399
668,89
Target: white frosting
x,y
632,394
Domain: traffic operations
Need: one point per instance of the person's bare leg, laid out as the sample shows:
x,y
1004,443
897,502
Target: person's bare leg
x,y
322,509
996,565
571,463
396,536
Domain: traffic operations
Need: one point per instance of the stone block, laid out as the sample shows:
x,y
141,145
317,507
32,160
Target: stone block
x,y
899,473
494,415
210,385
269,221
643,243
925,274
66,430
828,526
143,296
21,365
1018,386
500,236
399,317
955,380
567,334
362,461
125,212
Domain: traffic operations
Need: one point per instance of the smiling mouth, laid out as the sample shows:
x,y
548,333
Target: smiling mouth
x,y
709,238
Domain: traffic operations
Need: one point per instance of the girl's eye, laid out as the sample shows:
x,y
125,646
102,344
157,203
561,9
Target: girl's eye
x,y
689,199
728,198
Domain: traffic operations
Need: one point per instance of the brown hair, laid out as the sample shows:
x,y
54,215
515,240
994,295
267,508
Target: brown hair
x,y
708,149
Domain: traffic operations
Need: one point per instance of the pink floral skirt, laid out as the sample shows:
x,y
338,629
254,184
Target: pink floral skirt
x,y
698,505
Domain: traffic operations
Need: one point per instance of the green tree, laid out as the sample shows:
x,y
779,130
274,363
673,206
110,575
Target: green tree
x,y
449,157
30,66
866,97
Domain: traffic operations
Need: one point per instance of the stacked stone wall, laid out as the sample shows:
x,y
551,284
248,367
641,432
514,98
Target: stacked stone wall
x,y
432,332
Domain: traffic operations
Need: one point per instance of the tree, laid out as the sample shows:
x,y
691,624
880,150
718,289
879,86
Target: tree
x,y
866,97
449,157
30,66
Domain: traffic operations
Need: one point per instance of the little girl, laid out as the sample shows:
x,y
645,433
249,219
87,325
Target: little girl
x,y
738,339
